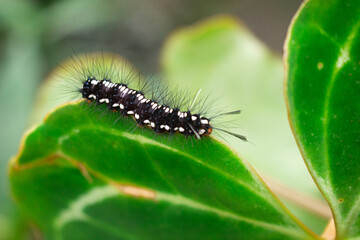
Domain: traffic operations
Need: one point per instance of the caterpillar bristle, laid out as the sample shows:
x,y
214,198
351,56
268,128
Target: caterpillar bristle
x,y
150,102
241,137
227,113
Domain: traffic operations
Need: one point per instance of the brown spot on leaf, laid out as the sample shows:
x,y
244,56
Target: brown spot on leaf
x,y
135,191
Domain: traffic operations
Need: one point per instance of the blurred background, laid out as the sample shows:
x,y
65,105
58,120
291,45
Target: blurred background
x,y
35,36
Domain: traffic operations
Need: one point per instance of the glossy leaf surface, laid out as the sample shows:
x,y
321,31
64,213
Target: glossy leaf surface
x,y
80,177
323,91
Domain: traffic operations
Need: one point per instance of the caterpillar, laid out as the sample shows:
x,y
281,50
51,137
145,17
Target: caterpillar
x,y
104,82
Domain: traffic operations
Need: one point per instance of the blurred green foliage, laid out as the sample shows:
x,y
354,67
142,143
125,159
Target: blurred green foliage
x,y
36,35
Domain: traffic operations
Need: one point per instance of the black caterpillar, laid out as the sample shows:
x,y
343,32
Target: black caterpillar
x,y
103,81
129,102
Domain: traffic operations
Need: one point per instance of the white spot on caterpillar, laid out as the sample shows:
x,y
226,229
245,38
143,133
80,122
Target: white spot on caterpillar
x,y
94,82
130,112
140,97
179,113
146,121
204,121
152,124
176,128
122,88
181,129
144,100
104,100
201,131
162,126
137,116
115,105
171,110
122,106
154,106
147,101
126,90
193,118
167,110
167,127
92,96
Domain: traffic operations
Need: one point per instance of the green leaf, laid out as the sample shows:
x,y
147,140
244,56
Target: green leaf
x,y
323,91
81,177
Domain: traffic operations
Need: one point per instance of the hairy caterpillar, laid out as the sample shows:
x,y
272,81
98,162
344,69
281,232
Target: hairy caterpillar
x,y
107,81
